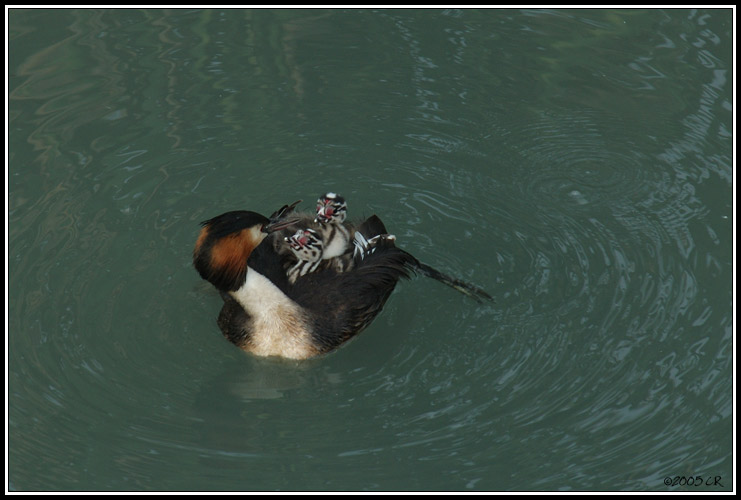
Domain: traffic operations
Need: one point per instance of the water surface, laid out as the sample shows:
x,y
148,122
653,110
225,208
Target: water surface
x,y
577,164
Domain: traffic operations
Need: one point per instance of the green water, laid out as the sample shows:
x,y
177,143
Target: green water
x,y
577,164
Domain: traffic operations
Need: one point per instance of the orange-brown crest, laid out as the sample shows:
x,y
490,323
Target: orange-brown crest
x,y
229,254
224,245
202,236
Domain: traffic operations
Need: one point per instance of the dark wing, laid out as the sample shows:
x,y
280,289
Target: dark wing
x,y
347,302
233,320
373,227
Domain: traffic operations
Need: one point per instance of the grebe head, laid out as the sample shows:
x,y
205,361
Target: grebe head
x,y
306,245
331,208
224,245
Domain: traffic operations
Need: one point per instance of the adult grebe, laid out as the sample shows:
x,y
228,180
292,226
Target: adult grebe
x,y
297,285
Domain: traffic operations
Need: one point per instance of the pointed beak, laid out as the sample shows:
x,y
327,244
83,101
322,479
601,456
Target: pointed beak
x,y
291,240
285,209
279,223
278,219
323,214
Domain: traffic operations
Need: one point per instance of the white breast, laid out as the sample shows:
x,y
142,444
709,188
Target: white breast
x,y
277,325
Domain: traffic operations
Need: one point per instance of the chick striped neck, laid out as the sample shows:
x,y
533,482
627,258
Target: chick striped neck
x,y
307,246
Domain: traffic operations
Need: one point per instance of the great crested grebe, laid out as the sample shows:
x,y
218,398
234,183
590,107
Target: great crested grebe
x,y
297,285
331,211
308,248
